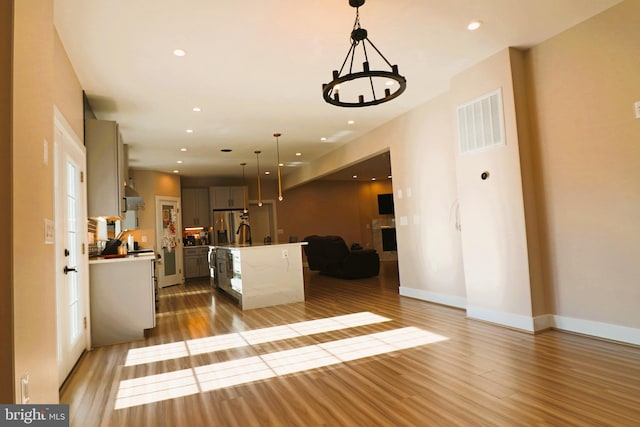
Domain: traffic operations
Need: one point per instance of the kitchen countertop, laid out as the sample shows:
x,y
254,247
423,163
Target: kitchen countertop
x,y
144,256
255,245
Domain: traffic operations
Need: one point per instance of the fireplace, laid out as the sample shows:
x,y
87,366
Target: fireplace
x,y
384,238
389,239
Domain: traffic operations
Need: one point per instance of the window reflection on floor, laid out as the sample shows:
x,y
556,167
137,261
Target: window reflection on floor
x,y
154,388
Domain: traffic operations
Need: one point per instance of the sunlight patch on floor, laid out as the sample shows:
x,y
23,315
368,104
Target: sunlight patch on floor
x,y
155,388
215,376
157,353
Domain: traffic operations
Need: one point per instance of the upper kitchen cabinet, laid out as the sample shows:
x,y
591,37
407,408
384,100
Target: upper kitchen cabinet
x,y
195,207
225,198
105,169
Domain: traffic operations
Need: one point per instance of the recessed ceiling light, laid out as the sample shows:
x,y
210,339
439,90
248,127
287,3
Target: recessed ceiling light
x,y
183,149
226,150
474,25
298,154
355,177
189,130
350,122
323,139
196,109
267,173
179,162
389,176
373,179
179,52
176,171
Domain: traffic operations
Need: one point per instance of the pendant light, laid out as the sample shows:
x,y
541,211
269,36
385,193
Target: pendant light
x,y
278,135
244,190
259,188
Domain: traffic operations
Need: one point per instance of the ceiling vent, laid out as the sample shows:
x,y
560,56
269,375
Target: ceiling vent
x,y
481,123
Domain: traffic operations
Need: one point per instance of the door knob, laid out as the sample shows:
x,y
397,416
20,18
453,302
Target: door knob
x,y
67,269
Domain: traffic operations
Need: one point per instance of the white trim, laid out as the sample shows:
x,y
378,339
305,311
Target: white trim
x,y
67,143
591,328
598,329
444,299
541,323
511,320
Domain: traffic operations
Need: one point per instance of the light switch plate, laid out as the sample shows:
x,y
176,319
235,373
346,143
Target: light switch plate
x,y
49,232
636,108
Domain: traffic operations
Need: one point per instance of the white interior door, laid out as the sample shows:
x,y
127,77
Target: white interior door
x,y
168,241
72,267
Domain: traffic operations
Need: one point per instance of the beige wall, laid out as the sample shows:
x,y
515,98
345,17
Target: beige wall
x,y
331,208
540,294
424,183
494,243
67,90
33,288
587,158
424,180
6,215
150,184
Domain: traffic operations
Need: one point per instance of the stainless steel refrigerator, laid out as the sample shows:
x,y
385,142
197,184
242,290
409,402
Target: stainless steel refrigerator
x,y
227,228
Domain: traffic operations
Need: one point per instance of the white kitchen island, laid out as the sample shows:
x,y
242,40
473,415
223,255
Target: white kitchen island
x,y
122,298
260,275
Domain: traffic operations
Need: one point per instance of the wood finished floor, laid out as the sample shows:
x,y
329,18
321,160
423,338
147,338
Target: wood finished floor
x,y
480,375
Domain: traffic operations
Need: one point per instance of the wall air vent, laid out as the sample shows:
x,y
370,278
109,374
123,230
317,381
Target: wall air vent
x,y
481,123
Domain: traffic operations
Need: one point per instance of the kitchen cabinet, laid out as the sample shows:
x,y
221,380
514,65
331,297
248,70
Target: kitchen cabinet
x,y
225,198
196,261
122,298
195,207
105,169
261,275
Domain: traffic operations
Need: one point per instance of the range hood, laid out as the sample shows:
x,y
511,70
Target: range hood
x,y
132,197
129,191
134,201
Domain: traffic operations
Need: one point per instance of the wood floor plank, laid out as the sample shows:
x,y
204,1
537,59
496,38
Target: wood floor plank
x,y
474,374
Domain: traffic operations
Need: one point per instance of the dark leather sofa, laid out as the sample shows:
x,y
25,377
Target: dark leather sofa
x,y
330,255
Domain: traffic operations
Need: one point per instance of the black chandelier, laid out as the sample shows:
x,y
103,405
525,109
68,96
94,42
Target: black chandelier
x,y
331,90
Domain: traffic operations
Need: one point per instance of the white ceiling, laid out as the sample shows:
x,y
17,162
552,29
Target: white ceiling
x,y
257,67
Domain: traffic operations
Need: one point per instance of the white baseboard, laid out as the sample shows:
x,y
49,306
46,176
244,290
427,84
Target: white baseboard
x,y
540,323
511,320
598,329
530,324
444,299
